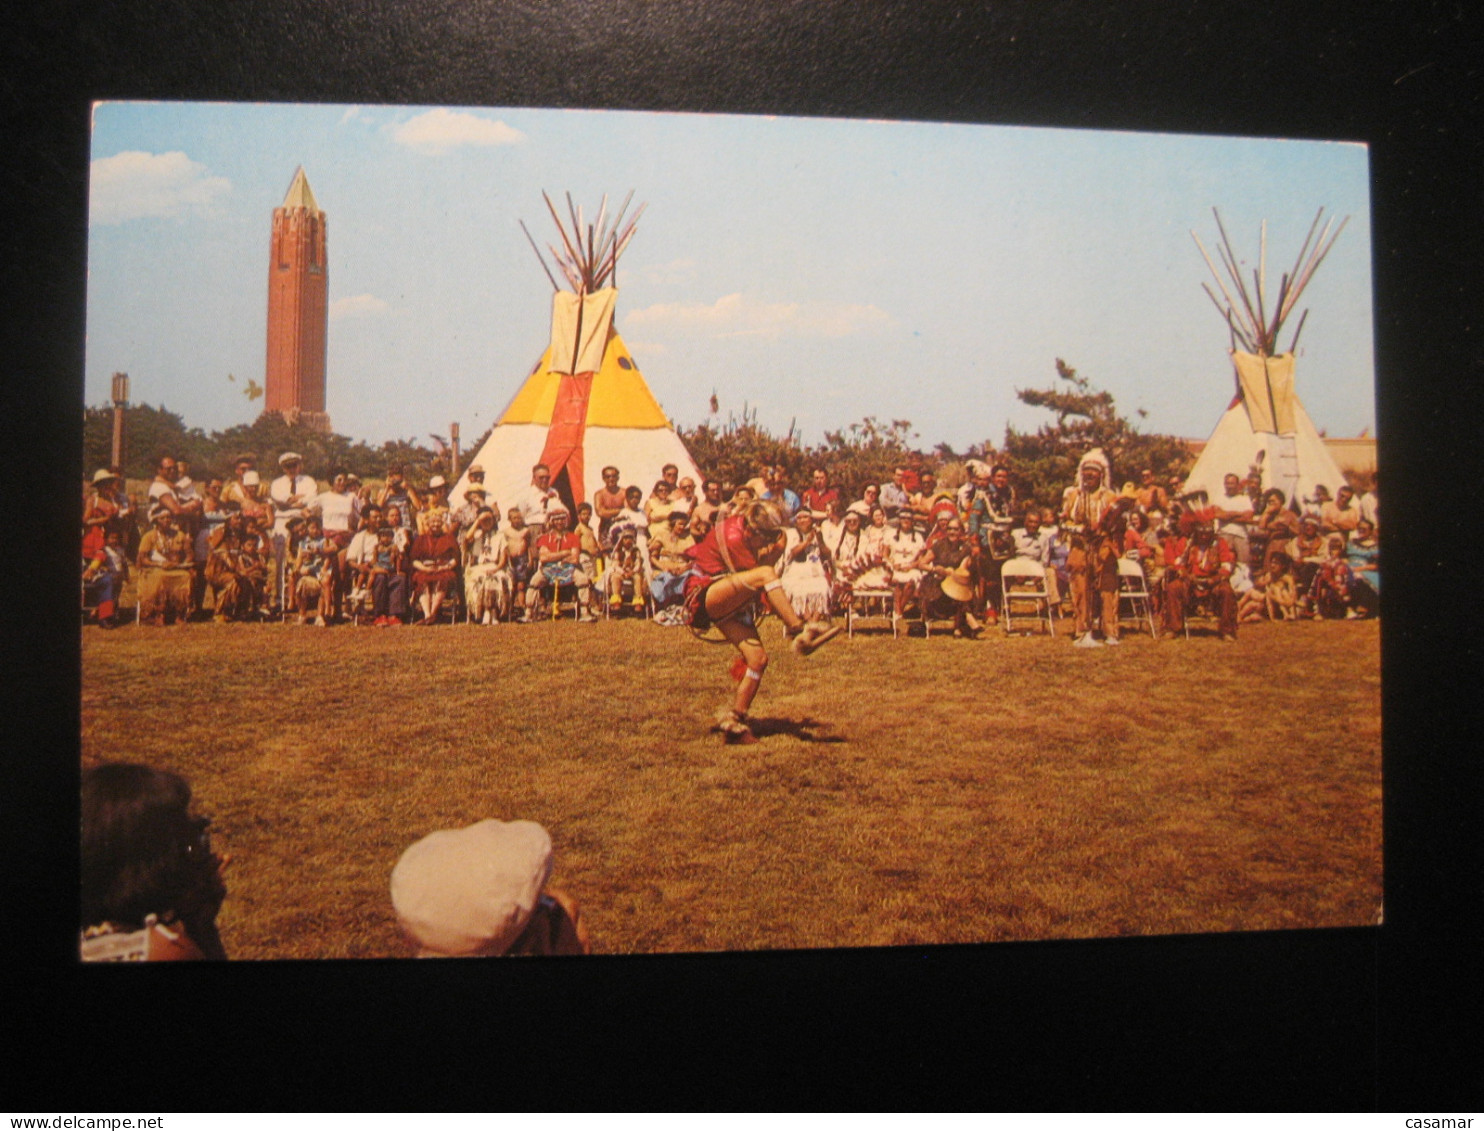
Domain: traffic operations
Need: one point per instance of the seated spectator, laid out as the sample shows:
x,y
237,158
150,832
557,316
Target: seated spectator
x,y
623,582
255,507
806,568
435,566
668,561
833,524
520,544
1364,556
462,518
700,526
386,578
851,562
1034,543
151,884
488,581
1251,597
236,576
313,576
481,892
1280,598
1329,595
1308,552
870,499
902,550
103,576
165,565
396,518
947,588
558,558
1202,572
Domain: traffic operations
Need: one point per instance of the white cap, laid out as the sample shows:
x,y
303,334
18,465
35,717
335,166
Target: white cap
x,y
471,891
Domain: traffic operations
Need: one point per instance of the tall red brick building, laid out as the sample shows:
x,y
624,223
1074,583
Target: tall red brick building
x,y
298,309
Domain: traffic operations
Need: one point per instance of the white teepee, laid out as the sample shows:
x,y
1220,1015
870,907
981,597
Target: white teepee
x,y
585,405
1265,426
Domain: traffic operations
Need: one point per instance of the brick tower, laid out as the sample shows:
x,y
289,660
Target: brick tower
x,y
298,309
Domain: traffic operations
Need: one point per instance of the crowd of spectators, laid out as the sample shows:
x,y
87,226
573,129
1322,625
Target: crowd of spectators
x,y
237,549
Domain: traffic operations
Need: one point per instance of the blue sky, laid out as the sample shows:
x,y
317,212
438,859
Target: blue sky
x,y
817,270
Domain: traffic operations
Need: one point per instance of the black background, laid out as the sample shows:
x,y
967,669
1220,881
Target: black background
x,y
1329,1020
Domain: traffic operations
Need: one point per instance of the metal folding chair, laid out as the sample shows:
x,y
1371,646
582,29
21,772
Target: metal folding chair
x,y
1023,581
1133,590
860,604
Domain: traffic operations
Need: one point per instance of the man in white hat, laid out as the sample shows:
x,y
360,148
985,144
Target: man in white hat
x,y
480,892
436,502
1093,560
290,495
475,475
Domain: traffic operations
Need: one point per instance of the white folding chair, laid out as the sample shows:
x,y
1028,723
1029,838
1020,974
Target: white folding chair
x,y
1133,589
861,601
1023,581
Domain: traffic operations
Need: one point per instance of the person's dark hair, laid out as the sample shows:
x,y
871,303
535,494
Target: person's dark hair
x,y
144,854
999,467
336,471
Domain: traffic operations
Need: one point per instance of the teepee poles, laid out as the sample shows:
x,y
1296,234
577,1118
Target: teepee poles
x,y
588,256
1247,316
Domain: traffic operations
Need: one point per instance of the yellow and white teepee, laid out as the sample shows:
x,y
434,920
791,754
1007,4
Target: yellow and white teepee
x,y
1265,425
585,405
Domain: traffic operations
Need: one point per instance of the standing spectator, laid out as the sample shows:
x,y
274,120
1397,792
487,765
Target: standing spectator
x,y
100,512
339,509
151,884
1370,505
1233,515
291,494
435,565
608,501
235,491
870,499
683,497
535,502
520,545
436,502
991,520
256,509
671,475
819,495
165,557
213,517
710,505
476,479
590,557
397,492
463,517
1152,498
1341,515
779,493
657,507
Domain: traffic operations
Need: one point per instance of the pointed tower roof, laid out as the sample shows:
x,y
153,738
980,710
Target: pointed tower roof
x,y
299,194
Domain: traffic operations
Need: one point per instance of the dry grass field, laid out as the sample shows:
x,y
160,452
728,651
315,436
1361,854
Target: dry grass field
x,y
905,792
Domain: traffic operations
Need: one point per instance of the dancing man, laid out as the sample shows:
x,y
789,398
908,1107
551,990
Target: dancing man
x,y
732,567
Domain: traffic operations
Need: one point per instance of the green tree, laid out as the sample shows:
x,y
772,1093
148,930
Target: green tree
x,y
149,433
1045,461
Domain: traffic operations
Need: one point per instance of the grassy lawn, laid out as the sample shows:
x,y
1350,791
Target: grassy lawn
x,y
905,792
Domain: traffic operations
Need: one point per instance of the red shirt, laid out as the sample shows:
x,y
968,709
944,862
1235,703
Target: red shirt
x,y
566,542
821,500
708,558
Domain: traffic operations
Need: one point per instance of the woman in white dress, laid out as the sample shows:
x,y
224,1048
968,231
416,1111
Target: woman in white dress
x,y
806,568
488,582
903,547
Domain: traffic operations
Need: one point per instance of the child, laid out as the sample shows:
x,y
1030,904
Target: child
x,y
1281,595
252,569
1332,584
478,892
314,574
625,580
104,574
518,541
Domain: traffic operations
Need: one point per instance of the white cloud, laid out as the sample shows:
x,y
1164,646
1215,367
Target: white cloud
x,y
357,306
738,316
647,349
131,185
438,131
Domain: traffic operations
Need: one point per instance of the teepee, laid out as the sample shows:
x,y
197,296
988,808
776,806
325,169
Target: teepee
x,y
1265,427
584,405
